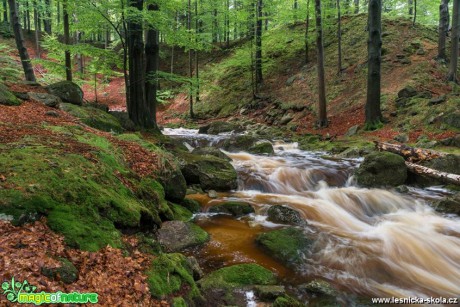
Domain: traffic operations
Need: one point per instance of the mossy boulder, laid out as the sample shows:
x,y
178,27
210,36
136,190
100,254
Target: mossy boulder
x,y
212,151
67,91
191,204
450,205
449,164
284,215
211,173
7,98
452,119
220,127
269,292
67,272
382,169
262,147
178,235
237,276
94,117
46,99
320,287
170,274
174,184
234,208
288,245
239,143
287,301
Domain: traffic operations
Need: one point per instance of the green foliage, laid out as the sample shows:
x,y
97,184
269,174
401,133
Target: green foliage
x,y
9,71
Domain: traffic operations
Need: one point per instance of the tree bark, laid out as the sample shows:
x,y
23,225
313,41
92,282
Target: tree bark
x,y
356,6
307,28
410,4
152,56
27,13
190,54
322,112
5,11
442,29
432,173
197,32
19,38
373,112
47,19
259,77
409,153
215,26
339,38
68,59
452,76
415,12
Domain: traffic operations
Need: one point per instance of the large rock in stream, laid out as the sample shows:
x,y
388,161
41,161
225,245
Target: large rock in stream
x,y
210,172
382,169
220,127
177,235
249,144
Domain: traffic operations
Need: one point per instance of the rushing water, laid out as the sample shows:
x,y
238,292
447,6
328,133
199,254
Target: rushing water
x,y
371,242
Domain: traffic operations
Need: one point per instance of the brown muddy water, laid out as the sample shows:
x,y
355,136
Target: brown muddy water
x,y
369,242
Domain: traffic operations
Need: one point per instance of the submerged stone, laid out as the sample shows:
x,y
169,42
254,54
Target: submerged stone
x,y
234,208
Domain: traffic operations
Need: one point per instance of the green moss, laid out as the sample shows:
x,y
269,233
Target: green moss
x,y
233,207
179,302
168,274
200,235
180,213
287,301
287,245
238,275
94,117
7,98
191,204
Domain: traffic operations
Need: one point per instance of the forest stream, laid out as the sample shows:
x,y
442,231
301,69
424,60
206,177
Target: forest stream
x,y
367,242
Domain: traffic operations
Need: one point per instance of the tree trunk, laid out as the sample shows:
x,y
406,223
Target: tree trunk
x,y
47,19
442,29
259,77
190,53
5,11
37,30
215,26
307,28
68,60
295,7
356,6
432,173
455,37
251,22
339,37
197,31
27,13
373,112
227,23
19,38
58,12
322,112
152,57
409,153
410,4
415,12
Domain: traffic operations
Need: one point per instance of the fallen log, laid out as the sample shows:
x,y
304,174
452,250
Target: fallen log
x,y
432,173
409,153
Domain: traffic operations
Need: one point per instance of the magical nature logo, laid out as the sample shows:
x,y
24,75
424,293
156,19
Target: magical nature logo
x,y
24,293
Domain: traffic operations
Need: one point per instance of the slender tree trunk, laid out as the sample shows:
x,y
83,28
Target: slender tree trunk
x,y
19,38
227,24
442,29
190,53
259,77
5,11
339,37
215,26
197,31
356,6
58,12
410,4
47,19
455,37
373,112
307,28
27,13
415,12
68,59
124,38
37,31
296,8
152,56
251,22
266,21
322,112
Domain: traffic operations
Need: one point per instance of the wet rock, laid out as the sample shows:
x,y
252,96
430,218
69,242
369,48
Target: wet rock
x,y
178,235
352,131
449,164
382,169
212,194
211,151
403,189
284,215
450,205
234,208
239,143
7,98
191,204
287,301
288,245
67,272
195,268
322,287
262,147
174,184
67,91
269,293
220,127
48,100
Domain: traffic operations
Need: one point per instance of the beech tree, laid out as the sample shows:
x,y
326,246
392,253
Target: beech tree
x,y
452,76
322,113
19,38
442,29
258,62
373,112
